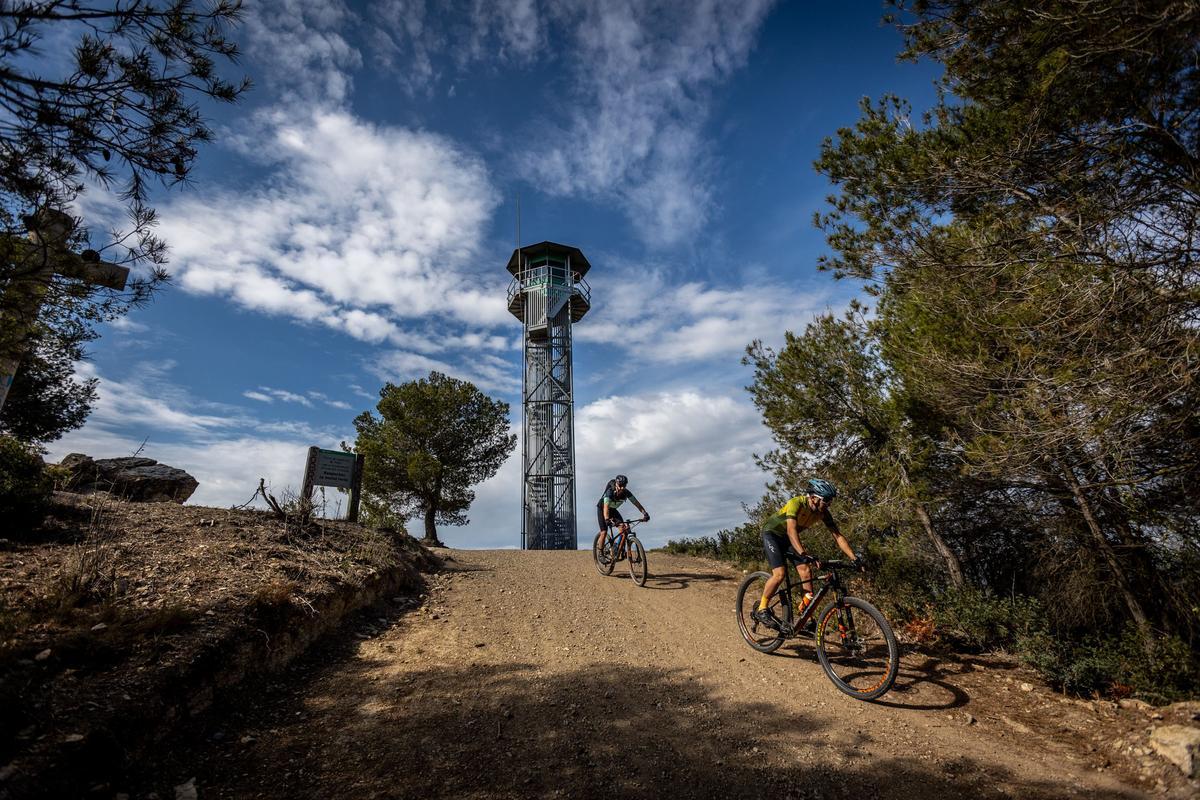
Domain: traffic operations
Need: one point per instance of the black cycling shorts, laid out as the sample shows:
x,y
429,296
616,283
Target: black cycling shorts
x,y
776,546
614,516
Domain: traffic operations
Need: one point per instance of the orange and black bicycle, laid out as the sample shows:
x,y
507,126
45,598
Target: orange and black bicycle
x,y
855,644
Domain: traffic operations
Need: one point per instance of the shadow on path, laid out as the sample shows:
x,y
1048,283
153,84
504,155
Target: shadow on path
x,y
349,723
681,580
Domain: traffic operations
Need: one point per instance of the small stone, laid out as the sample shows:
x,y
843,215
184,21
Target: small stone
x,y
42,656
71,738
970,720
248,739
99,626
1026,687
479,644
186,791
1133,704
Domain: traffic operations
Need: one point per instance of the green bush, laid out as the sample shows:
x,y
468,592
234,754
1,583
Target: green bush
x,y
1116,665
24,485
742,546
976,621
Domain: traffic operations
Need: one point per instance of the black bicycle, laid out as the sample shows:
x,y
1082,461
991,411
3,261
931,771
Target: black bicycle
x,y
855,644
612,546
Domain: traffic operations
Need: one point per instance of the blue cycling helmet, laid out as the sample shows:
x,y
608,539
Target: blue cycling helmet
x,y
823,489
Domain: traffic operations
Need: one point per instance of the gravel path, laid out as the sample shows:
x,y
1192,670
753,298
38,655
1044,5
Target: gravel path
x,y
529,675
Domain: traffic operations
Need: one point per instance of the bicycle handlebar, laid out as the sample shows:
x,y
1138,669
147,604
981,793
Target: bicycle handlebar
x,y
831,563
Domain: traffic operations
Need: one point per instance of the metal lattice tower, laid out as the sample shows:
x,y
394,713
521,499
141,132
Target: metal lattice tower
x,y
548,294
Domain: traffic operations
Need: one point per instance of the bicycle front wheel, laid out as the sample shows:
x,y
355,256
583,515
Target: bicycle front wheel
x,y
857,649
759,635
637,562
604,554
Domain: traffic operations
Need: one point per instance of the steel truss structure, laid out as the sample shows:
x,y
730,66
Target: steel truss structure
x,y
548,294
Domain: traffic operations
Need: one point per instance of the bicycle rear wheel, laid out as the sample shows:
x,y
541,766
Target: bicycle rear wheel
x,y
857,649
758,635
637,561
604,554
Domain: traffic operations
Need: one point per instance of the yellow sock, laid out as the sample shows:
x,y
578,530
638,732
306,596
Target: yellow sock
x,y
762,604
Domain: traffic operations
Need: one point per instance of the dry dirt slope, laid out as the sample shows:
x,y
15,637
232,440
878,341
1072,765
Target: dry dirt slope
x,y
529,675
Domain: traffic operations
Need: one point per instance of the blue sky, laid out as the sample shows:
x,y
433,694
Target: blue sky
x,y
351,223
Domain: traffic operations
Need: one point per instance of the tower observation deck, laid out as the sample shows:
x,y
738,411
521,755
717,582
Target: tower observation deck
x,y
548,294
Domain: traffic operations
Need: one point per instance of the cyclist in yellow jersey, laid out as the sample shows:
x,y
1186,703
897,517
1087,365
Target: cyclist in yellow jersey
x,y
783,529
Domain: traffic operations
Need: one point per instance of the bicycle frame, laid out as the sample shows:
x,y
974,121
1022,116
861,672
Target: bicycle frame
x,y
830,582
619,541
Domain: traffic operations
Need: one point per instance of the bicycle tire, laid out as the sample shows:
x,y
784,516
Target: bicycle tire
x,y
603,555
861,659
758,636
637,562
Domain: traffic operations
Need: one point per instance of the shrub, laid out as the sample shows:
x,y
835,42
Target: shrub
x,y
1116,665
24,485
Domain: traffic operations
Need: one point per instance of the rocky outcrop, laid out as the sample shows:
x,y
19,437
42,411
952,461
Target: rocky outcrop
x,y
137,479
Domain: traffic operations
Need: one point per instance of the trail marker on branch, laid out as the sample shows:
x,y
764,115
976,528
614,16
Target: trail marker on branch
x,y
335,468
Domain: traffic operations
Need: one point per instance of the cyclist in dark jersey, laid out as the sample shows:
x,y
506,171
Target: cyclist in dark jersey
x,y
615,495
781,533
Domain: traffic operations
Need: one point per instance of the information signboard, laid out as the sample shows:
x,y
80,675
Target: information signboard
x,y
335,468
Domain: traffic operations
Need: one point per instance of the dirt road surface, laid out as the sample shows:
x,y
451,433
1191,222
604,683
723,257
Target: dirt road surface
x,y
530,675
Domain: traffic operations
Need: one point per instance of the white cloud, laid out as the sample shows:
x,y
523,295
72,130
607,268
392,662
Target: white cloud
x,y
361,226
302,43
259,396
643,75
692,320
640,72
488,372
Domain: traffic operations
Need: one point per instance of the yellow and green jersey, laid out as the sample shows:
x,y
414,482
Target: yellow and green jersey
x,y
797,509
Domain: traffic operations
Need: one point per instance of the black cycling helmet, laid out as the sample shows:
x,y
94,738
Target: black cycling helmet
x,y
621,481
823,489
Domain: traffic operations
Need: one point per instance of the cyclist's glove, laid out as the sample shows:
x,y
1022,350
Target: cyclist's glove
x,y
859,563
645,517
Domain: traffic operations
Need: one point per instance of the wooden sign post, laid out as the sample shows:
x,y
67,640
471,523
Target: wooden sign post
x,y
335,468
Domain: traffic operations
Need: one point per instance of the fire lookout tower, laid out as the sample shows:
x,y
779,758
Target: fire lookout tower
x,y
548,294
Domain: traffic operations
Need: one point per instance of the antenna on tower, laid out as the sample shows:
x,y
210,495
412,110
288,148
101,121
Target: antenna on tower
x,y
518,229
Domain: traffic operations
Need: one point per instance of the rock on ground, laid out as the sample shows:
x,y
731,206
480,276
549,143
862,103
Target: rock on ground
x,y
1179,744
137,479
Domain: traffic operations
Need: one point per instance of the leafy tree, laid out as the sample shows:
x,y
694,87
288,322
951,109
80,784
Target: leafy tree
x,y
122,112
1033,242
834,408
45,400
433,440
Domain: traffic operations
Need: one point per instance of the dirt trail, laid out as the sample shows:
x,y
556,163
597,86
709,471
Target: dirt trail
x,y
527,674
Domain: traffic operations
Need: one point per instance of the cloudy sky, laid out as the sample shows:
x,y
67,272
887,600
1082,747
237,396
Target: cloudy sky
x,y
351,223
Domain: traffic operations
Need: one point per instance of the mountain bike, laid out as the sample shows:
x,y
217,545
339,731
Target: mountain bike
x,y
612,546
855,644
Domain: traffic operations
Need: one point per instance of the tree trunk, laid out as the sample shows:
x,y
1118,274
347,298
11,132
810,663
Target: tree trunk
x,y
431,510
953,564
430,528
1123,584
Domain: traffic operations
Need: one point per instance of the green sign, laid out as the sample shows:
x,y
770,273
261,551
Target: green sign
x,y
334,468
